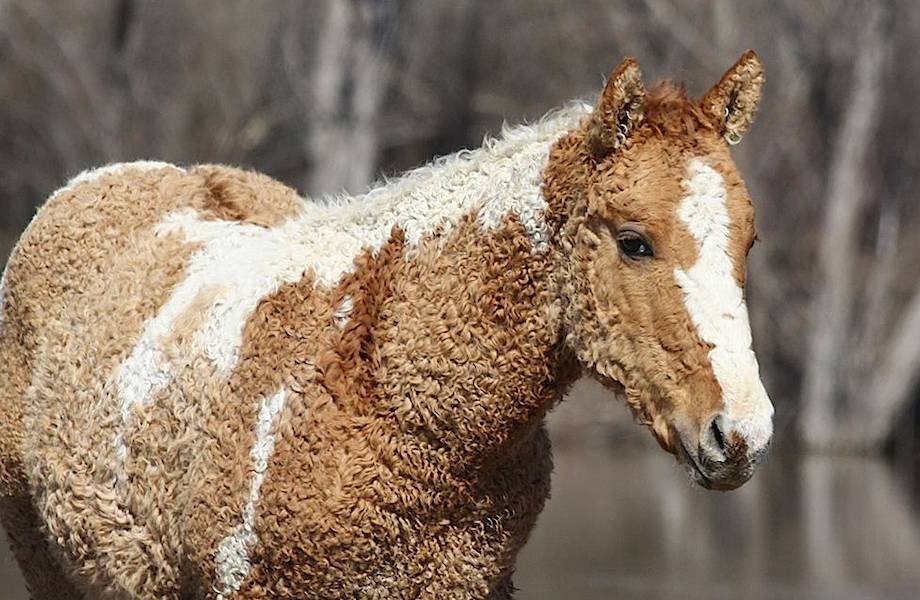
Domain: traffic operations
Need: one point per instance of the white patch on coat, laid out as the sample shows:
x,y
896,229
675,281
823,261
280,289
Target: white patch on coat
x,y
232,556
343,311
716,305
249,262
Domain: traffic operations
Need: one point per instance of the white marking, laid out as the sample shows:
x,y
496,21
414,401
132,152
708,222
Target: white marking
x,y
341,314
716,305
232,556
249,262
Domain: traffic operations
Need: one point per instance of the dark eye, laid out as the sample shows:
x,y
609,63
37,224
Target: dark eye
x,y
634,245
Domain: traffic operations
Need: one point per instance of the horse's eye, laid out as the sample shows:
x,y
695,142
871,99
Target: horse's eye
x,y
634,245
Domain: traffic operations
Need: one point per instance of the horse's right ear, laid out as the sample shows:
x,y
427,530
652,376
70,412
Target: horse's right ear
x,y
732,102
618,111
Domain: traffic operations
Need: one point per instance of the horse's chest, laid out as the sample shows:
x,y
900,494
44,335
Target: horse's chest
x,y
416,530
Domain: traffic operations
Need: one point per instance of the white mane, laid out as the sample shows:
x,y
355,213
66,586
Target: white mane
x,y
512,139
502,176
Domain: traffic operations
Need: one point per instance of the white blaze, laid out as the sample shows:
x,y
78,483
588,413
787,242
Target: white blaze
x,y
716,305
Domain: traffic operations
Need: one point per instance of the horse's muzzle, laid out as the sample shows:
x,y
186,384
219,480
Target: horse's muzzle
x,y
719,457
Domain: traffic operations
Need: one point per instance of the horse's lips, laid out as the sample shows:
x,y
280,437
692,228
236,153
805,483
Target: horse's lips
x,y
690,464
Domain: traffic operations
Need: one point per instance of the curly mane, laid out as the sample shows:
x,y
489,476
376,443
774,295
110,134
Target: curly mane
x,y
670,111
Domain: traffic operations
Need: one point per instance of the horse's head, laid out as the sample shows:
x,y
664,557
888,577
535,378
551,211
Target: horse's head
x,y
657,228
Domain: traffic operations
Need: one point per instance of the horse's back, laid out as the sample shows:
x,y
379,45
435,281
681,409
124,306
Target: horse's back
x,y
87,275
108,216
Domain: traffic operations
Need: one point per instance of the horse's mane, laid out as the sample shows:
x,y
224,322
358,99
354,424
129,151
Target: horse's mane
x,y
670,111
503,148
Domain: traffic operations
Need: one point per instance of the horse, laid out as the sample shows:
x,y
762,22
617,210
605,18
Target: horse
x,y
214,388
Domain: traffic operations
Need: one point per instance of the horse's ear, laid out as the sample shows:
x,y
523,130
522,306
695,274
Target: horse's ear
x,y
618,111
732,102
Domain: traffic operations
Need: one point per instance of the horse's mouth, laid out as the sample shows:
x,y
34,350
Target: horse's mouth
x,y
664,438
692,466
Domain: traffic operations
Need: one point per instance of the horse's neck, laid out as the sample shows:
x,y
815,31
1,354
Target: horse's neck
x,y
470,348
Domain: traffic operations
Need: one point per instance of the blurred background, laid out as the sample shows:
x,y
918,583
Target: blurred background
x,y
331,94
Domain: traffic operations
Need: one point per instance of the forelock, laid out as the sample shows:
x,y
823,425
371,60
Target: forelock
x,y
669,111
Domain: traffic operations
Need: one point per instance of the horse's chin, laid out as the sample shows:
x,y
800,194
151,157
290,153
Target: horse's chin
x,y
690,465
661,431
620,393
612,384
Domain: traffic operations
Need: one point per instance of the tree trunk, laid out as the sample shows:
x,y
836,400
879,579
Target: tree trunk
x,y
839,249
348,87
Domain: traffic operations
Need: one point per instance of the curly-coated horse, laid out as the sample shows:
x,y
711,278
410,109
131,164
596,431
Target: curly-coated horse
x,y
213,388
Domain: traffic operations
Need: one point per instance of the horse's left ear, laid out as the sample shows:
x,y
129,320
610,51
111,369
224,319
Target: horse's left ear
x,y
732,102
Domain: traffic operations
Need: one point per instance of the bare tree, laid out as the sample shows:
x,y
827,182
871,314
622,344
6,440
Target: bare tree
x,y
839,248
343,93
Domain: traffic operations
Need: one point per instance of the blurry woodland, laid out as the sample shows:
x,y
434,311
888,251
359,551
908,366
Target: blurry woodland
x,y
329,95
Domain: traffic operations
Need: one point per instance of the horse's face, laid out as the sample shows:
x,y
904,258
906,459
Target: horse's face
x,y
658,251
